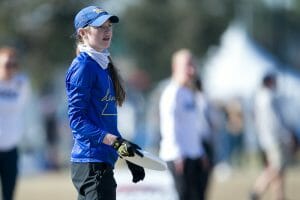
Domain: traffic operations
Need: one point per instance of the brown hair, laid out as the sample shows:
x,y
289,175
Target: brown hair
x,y
118,83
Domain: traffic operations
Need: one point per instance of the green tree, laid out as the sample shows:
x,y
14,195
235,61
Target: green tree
x,y
41,30
155,29
149,32
277,29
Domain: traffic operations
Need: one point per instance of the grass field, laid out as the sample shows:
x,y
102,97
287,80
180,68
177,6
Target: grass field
x,y
156,186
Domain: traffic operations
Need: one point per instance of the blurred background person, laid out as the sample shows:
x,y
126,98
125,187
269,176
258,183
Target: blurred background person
x,y
14,93
180,142
207,129
50,123
273,139
234,129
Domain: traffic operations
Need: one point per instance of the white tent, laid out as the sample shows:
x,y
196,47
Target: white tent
x,y
236,67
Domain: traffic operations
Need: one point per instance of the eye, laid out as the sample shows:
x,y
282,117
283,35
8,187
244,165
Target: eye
x,y
105,27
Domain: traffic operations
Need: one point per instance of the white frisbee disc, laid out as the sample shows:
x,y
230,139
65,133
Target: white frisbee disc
x,y
149,161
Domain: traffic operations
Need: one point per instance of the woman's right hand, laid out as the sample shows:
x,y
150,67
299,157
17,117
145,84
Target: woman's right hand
x,y
109,139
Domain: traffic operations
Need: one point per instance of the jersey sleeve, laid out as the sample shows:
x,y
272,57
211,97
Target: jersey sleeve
x,y
79,83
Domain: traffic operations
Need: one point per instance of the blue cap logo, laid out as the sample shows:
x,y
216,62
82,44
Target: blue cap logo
x,y
98,10
93,16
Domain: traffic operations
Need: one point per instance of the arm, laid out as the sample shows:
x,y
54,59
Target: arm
x,y
79,83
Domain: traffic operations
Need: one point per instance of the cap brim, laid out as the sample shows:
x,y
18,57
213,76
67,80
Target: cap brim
x,y
102,19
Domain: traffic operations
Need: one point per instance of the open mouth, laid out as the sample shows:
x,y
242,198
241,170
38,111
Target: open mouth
x,y
106,39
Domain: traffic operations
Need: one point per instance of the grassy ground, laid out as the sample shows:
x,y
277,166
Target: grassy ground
x,y
239,183
58,186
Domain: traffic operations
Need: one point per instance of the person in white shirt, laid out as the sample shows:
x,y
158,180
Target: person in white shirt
x,y
273,137
14,91
180,142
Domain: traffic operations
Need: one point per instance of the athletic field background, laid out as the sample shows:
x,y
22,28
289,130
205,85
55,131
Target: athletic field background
x,y
226,184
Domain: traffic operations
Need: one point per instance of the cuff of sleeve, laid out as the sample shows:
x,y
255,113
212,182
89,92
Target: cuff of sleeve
x,y
102,135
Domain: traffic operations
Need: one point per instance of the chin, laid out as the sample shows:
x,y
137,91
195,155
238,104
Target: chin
x,y
106,46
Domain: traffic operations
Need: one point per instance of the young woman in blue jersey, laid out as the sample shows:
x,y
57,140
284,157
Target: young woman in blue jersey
x,y
94,90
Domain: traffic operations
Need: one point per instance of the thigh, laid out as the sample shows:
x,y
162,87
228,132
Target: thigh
x,y
93,182
275,157
80,176
178,179
105,184
8,172
195,179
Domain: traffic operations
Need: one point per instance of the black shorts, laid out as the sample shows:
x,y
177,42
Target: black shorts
x,y
94,181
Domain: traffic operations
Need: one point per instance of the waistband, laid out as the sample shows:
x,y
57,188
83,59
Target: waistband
x,y
95,166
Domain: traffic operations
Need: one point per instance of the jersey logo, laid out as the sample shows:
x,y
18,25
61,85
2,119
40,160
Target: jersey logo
x,y
108,98
8,94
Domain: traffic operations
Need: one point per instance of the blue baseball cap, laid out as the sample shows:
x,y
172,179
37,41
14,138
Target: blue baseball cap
x,y
93,16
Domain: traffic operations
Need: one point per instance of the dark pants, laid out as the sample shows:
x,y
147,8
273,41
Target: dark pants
x,y
191,185
8,172
94,181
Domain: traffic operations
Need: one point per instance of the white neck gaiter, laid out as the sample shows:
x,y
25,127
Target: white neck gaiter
x,y
100,57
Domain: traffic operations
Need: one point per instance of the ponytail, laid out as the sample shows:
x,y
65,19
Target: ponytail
x,y
117,81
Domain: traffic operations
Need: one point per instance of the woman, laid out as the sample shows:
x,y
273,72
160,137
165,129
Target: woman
x,y
14,94
94,90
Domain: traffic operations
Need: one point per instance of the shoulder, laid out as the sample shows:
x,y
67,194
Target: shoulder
x,y
83,62
263,94
21,80
172,94
170,90
82,69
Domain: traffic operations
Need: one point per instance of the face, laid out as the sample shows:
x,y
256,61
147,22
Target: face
x,y
98,38
184,68
8,66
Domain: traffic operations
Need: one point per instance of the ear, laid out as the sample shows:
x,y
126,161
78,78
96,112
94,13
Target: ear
x,y
82,32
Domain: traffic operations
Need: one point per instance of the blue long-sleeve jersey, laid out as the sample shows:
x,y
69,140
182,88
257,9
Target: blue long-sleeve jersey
x,y
92,110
